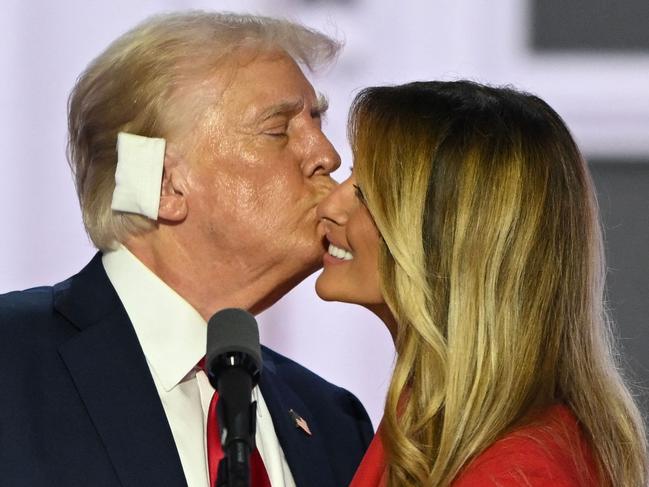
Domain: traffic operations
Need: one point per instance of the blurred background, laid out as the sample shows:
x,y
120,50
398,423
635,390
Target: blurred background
x,y
588,58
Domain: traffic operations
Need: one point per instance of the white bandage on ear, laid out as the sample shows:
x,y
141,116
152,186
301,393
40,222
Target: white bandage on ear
x,y
138,177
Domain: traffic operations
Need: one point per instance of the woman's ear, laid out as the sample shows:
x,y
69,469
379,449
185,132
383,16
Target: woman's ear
x,y
173,202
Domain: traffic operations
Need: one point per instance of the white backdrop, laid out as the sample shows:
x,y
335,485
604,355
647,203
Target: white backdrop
x,y
44,45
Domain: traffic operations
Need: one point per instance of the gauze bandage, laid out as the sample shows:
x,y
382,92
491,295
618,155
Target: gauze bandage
x,y
138,177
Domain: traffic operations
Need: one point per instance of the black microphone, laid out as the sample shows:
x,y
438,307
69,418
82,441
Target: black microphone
x,y
233,363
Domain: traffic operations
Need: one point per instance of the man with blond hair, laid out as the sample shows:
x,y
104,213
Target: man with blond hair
x,y
196,145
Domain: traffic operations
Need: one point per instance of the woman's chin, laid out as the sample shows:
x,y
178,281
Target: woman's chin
x,y
325,290
331,291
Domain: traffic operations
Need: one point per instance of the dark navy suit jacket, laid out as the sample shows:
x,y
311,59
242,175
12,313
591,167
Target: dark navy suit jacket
x,y
78,405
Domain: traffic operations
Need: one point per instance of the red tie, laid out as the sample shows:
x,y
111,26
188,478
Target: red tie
x,y
258,474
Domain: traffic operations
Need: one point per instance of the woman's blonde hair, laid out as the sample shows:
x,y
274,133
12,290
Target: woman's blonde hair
x,y
492,264
129,87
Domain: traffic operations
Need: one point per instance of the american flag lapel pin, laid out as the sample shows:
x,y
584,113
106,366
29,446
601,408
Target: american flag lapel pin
x,y
299,422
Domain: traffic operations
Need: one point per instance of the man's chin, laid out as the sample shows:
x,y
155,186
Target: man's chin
x,y
286,285
311,257
300,264
312,265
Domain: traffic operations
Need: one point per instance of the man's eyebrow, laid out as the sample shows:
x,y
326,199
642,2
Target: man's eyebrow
x,y
294,106
281,108
321,106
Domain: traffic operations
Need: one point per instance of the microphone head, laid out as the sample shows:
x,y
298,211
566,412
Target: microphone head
x,y
233,331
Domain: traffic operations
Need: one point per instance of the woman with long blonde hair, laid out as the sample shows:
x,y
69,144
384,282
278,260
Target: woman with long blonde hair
x,y
470,227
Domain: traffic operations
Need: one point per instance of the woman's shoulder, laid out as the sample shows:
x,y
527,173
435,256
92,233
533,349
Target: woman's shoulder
x,y
550,451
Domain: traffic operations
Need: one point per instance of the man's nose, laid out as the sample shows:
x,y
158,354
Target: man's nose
x,y
323,159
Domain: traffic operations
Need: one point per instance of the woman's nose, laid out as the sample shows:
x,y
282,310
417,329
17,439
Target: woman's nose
x,y
335,207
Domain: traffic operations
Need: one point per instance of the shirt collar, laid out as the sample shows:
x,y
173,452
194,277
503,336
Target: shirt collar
x,y
172,333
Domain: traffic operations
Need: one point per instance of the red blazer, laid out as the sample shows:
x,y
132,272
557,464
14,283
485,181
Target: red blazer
x,y
550,452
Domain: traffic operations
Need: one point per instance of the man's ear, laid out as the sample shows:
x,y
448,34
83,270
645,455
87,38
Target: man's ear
x,y
173,203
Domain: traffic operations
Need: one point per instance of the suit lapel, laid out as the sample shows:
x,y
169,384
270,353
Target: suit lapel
x,y
306,455
112,377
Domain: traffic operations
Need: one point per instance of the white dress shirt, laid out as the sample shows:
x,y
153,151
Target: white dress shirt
x,y
173,336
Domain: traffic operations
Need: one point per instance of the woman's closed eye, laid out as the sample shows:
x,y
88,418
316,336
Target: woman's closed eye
x,y
359,193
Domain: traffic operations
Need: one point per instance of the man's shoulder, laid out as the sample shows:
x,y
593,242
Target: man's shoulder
x,y
334,416
30,315
38,301
30,329
26,304
296,374
315,391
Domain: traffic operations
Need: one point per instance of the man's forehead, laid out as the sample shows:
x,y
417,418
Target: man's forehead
x,y
260,87
268,74
290,105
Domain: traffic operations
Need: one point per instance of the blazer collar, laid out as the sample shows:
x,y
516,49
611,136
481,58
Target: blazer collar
x,y
305,454
113,379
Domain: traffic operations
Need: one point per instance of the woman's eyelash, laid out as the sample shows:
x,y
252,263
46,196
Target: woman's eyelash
x,y
359,193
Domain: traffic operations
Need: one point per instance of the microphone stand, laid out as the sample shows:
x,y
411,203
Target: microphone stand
x,y
239,441
233,363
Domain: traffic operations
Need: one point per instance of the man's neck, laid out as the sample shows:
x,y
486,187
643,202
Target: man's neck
x,y
212,284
